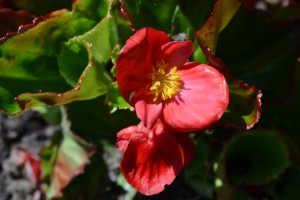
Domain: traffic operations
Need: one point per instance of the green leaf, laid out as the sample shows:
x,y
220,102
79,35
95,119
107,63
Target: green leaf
x,y
98,123
180,24
84,57
222,14
244,106
75,56
51,114
92,9
255,157
115,54
115,100
196,11
82,91
28,62
33,75
114,57
158,13
102,41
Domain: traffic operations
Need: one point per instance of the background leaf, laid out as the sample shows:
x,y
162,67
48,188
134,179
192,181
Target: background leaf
x,y
72,156
255,157
158,13
98,123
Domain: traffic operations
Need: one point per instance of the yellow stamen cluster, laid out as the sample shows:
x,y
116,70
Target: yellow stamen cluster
x,y
164,84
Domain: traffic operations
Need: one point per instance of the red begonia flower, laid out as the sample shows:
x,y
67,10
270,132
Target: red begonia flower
x,y
153,158
155,78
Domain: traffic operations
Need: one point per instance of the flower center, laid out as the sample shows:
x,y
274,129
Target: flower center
x,y
164,84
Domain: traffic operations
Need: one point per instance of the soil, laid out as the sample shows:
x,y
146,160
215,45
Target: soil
x,y
31,133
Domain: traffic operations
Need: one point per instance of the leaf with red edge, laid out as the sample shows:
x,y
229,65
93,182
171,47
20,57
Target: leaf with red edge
x,y
222,14
35,62
10,20
148,164
260,58
71,159
72,156
271,67
244,106
28,62
245,101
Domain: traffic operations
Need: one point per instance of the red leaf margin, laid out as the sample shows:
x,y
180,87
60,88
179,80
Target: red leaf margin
x,y
11,20
207,38
23,28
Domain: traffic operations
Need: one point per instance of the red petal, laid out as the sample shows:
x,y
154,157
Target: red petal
x,y
177,53
136,59
153,160
147,110
125,134
202,100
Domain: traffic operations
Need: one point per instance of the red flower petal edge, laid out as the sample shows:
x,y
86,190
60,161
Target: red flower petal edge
x,y
153,158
